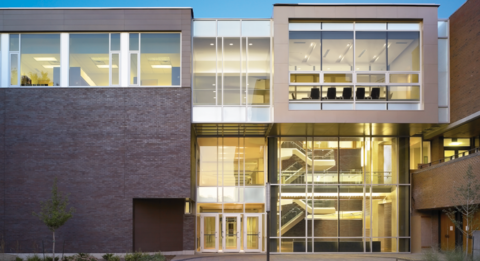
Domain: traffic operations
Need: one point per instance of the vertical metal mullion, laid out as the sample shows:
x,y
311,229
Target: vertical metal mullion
x,y
19,70
354,44
139,69
109,59
241,56
246,77
216,62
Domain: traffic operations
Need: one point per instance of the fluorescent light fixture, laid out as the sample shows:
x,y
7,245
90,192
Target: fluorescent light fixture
x,y
250,44
211,44
45,59
161,66
106,66
105,58
455,142
50,66
231,43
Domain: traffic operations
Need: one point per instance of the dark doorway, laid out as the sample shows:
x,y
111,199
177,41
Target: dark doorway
x,y
158,224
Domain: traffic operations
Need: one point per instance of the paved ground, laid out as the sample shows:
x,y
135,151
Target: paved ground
x,y
323,257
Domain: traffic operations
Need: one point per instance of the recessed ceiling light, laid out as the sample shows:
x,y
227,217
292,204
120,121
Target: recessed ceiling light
x,y
106,66
50,66
250,44
45,59
105,58
211,44
231,43
161,66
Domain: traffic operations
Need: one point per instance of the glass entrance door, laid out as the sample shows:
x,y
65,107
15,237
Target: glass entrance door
x,y
209,232
252,233
231,232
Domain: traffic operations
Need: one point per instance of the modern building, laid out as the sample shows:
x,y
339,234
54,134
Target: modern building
x,y
327,128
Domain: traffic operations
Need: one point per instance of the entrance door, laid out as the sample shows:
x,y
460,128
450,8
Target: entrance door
x,y
231,233
209,232
252,233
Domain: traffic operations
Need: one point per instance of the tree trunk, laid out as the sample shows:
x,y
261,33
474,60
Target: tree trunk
x,y
53,247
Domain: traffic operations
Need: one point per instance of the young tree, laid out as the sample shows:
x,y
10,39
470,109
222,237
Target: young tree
x,y
54,212
466,201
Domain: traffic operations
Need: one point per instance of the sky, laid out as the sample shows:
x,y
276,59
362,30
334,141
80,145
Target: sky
x,y
219,8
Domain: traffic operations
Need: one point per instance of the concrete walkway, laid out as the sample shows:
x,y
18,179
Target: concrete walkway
x,y
289,257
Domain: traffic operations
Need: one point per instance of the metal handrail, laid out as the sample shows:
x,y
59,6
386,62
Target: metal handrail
x,y
456,156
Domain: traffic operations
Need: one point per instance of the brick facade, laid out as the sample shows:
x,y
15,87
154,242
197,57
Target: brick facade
x,y
106,146
464,62
434,187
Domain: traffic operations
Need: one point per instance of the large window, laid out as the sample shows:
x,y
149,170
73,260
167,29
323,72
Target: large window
x,y
35,60
94,59
382,61
339,194
155,59
229,169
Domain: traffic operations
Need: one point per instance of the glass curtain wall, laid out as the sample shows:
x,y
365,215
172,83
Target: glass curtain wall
x,y
339,194
368,63
232,69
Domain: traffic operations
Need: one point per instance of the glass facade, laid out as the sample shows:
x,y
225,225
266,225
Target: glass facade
x,y
373,66
339,194
231,70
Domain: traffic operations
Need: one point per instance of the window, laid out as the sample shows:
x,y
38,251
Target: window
x,y
155,57
94,59
382,61
34,60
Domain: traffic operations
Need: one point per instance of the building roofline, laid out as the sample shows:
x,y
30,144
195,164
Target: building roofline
x,y
80,8
358,4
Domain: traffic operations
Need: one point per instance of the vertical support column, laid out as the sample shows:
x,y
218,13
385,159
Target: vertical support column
x,y
124,59
272,179
4,66
64,59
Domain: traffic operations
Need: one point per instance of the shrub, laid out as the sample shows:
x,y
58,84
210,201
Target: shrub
x,y
111,257
139,256
49,258
431,255
18,259
81,257
455,255
34,258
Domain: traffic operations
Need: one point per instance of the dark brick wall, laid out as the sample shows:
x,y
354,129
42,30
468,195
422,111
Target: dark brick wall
x,y
106,146
464,61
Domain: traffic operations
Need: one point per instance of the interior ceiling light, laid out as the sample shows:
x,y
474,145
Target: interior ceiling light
x,y
45,59
211,44
161,66
231,43
50,66
100,58
250,44
361,54
106,66
455,142
325,55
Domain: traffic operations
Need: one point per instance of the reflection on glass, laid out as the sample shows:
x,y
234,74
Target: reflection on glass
x,y
14,43
207,161
115,69
254,161
232,157
231,74
302,92
14,69
115,42
231,232
337,51
258,71
40,60
133,40
404,51
350,211
304,78
370,78
133,69
415,152
160,59
209,233
405,93
337,77
384,160
384,217
89,61
204,59
370,49
304,51
404,78
253,232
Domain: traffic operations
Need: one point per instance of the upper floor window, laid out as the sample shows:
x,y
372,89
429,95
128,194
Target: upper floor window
x,y
94,59
34,59
155,59
355,65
